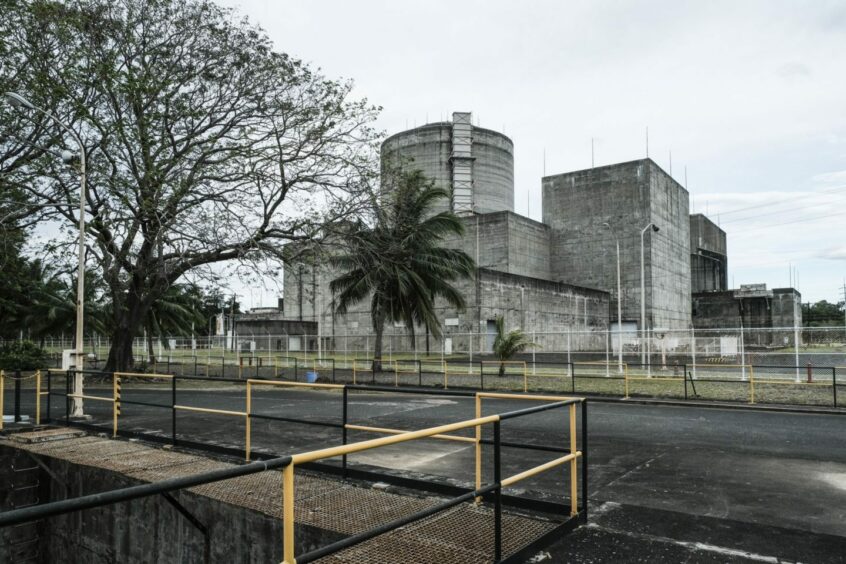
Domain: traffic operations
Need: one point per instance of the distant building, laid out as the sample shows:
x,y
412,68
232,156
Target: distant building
x,y
268,328
751,306
708,256
558,275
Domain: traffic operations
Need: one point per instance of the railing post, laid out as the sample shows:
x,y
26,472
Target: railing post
x,y
195,365
572,368
834,384
584,462
38,397
2,391
344,430
497,496
49,393
247,421
684,376
67,396
17,395
173,410
478,446
574,464
288,514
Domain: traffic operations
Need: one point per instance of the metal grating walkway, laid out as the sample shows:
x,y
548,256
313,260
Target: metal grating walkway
x,y
461,534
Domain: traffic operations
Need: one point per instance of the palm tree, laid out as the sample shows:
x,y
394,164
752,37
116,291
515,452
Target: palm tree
x,y
398,262
506,345
175,313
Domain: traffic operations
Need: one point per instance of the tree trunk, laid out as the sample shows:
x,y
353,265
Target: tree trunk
x,y
151,353
379,327
501,369
128,322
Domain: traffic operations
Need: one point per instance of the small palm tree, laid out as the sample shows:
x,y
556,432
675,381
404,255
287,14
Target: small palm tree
x,y
506,345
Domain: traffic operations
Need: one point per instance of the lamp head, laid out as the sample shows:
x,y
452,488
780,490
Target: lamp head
x,y
655,228
68,156
18,101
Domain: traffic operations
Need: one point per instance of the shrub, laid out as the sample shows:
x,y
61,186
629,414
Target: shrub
x,y
22,355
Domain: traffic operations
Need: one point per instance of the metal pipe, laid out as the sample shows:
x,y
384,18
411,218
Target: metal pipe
x,y
399,431
497,494
542,468
584,461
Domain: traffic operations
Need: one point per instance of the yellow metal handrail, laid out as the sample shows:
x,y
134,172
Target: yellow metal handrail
x,y
440,431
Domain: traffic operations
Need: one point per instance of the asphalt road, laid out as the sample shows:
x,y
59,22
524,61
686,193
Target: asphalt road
x,y
667,484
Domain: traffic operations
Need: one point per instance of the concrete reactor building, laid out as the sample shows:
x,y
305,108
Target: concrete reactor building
x,y
554,276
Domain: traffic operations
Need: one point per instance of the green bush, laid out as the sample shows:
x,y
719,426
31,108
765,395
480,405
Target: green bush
x,y
22,355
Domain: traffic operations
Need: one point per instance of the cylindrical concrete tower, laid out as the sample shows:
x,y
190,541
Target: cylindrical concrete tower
x,y
475,165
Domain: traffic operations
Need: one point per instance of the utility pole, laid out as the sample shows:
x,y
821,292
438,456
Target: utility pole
x,y
844,304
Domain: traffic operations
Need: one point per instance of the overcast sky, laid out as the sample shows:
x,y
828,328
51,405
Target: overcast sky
x,y
749,97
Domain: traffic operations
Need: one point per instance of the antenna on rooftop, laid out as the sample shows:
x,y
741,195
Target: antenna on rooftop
x,y
647,141
591,152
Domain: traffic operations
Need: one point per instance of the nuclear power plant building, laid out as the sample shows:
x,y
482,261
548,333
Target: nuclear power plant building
x,y
559,275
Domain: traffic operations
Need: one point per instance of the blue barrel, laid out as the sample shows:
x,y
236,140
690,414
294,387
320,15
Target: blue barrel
x,y
311,377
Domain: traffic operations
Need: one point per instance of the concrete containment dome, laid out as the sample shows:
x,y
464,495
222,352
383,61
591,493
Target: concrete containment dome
x,y
474,164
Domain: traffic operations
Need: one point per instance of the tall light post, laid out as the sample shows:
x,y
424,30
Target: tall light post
x,y
643,293
619,303
19,102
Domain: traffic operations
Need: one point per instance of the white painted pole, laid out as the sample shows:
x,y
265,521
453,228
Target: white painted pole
x,y
693,348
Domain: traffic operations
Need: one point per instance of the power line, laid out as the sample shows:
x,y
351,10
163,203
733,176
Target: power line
x,y
788,210
783,201
801,220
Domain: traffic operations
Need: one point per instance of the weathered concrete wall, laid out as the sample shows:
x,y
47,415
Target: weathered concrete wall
x,y
429,148
506,242
263,324
779,308
787,308
708,255
627,197
669,252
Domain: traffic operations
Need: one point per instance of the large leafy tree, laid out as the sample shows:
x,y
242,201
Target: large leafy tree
x,y
398,263
204,144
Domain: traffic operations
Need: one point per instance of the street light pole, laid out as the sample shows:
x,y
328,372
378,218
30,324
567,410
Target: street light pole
x,y
19,101
619,303
643,293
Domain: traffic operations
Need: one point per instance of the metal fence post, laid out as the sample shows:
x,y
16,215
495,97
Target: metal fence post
x,y
572,368
497,495
67,398
17,396
173,410
584,462
482,374
49,382
684,376
419,372
834,384
344,431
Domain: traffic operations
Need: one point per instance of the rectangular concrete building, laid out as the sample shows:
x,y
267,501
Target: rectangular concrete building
x,y
588,210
